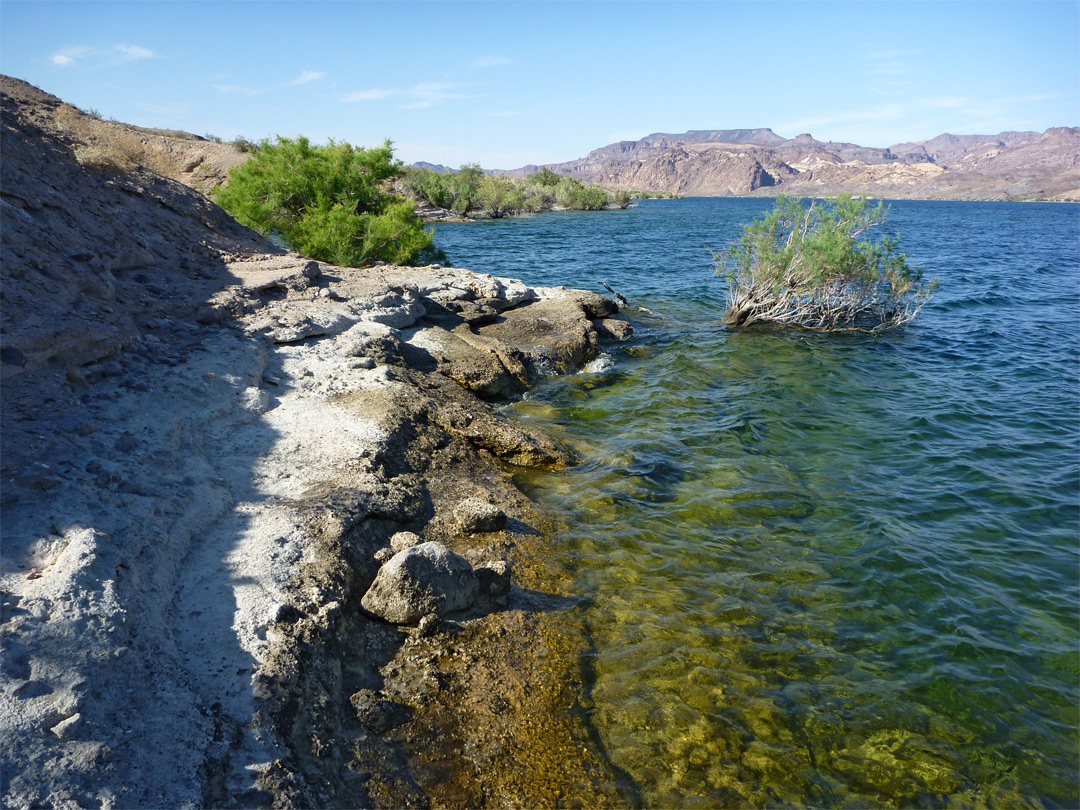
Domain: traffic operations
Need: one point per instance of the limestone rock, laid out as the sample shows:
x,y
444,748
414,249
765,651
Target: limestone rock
x,y
404,540
613,328
423,579
399,308
476,516
66,727
374,340
255,400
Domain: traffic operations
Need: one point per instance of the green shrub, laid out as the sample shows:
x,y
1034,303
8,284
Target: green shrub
x,y
546,177
814,268
242,144
469,190
576,196
328,202
500,196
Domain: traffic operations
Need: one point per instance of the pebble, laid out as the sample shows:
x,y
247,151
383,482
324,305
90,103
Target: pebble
x,y
66,727
126,443
255,400
404,540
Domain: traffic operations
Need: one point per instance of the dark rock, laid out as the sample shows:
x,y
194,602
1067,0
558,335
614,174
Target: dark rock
x,y
428,578
376,713
11,356
208,314
494,579
381,344
126,443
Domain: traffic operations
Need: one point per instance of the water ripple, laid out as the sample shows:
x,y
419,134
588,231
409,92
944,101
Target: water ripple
x,y
829,571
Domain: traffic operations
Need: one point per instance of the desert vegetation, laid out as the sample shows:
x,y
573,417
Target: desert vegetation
x,y
817,268
331,202
106,145
472,192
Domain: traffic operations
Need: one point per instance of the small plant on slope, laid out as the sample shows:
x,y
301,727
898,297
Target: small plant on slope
x,y
815,268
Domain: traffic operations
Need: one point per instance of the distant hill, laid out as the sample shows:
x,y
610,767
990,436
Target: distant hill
x,y
737,162
433,167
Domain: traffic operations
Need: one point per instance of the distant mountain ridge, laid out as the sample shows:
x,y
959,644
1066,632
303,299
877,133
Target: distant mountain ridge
x,y
738,162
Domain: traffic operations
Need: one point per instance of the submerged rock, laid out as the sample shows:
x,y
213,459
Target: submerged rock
x,y
423,579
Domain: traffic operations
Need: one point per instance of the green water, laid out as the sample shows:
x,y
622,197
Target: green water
x,y
833,571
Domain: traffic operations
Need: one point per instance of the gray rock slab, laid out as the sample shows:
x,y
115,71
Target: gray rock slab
x,y
423,579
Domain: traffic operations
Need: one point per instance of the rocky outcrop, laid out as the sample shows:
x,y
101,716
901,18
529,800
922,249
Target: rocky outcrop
x,y
206,441
1010,165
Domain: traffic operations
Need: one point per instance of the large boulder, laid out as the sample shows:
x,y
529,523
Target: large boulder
x,y
423,579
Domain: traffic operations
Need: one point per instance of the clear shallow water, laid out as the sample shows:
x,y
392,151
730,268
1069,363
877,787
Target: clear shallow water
x,y
823,570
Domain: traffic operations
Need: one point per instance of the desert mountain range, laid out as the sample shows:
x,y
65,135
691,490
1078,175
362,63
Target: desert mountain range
x,y
737,162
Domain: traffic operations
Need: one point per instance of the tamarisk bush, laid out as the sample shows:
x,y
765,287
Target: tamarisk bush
x,y
815,268
332,202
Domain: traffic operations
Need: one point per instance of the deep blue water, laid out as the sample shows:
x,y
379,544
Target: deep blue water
x,y
826,570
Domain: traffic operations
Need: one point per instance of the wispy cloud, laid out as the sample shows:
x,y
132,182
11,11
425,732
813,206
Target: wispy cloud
x,y
135,52
375,94
484,62
418,97
307,76
890,56
889,63
238,90
170,110
428,94
94,56
883,112
946,102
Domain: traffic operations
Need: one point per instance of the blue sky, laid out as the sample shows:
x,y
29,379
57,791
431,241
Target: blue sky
x,y
510,83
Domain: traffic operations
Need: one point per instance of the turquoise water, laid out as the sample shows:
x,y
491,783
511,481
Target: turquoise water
x,y
824,571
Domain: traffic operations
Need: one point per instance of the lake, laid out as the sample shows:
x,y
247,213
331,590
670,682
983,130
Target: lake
x,y
821,570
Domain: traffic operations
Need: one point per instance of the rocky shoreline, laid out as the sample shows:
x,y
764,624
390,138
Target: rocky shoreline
x,y
212,449
185,584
